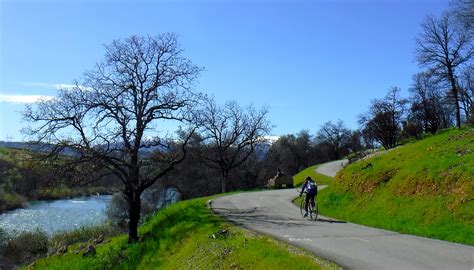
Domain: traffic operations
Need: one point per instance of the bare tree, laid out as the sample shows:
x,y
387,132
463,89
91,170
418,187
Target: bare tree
x,y
463,11
383,121
443,48
466,92
336,136
428,108
105,119
230,134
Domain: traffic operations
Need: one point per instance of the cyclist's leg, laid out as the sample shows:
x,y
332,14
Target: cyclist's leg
x,y
307,199
313,197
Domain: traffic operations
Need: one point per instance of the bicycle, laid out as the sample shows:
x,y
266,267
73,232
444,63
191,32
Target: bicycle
x,y
312,210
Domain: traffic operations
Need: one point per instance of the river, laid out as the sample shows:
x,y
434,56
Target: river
x,y
57,215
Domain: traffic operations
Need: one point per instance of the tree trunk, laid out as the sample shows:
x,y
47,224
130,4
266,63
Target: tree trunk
x,y
454,91
134,208
224,178
223,184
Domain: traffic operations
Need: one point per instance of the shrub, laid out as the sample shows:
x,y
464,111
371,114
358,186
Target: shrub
x,y
3,240
27,246
117,212
10,201
82,234
152,200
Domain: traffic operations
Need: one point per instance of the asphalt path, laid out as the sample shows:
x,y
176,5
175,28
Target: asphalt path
x,y
350,245
331,168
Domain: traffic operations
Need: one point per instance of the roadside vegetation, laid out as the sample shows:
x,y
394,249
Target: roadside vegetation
x,y
182,236
424,188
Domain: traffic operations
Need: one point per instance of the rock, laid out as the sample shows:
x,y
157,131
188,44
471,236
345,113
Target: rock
x,y
89,251
220,234
99,239
62,250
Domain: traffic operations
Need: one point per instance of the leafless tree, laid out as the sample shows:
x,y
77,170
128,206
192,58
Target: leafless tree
x,y
383,121
428,108
109,119
336,136
443,48
466,92
230,134
463,11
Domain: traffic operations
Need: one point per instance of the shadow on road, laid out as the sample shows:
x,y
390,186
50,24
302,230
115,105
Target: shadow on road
x,y
258,217
330,220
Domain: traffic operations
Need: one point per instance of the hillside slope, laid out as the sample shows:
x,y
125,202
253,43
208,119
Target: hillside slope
x,y
187,235
424,188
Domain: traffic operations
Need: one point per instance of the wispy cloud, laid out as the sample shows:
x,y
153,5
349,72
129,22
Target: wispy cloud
x,y
23,98
48,85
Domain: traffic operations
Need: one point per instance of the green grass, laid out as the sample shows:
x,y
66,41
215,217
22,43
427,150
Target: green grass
x,y
320,179
424,188
181,237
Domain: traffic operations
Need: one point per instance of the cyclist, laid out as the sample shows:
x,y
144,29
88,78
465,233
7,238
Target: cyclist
x,y
311,191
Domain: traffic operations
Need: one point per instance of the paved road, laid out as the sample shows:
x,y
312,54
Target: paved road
x,y
349,245
331,168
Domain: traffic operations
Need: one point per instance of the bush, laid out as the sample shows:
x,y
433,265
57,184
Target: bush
x,y
3,240
10,201
152,200
27,246
117,211
82,234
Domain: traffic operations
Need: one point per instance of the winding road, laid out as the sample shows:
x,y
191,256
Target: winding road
x,y
350,245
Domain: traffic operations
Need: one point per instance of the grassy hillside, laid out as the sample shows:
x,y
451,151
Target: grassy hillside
x,y
320,179
187,235
424,188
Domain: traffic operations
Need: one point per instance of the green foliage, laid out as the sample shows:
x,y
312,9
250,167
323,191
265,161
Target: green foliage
x,y
424,188
10,201
9,178
187,235
320,179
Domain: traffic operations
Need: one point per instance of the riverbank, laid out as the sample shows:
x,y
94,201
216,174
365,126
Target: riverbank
x,y
187,235
26,247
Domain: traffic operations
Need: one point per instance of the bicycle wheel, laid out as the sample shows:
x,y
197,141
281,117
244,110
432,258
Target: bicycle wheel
x,y
314,211
310,211
302,208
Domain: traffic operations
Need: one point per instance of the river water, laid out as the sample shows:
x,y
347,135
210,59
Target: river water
x,y
57,215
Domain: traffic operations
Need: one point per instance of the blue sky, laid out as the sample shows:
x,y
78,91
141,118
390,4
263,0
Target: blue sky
x,y
309,61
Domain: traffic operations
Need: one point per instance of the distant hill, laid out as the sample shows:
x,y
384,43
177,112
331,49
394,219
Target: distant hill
x,y
18,145
424,188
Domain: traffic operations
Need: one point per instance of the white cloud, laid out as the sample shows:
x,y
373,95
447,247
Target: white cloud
x,y
23,98
56,86
65,86
47,85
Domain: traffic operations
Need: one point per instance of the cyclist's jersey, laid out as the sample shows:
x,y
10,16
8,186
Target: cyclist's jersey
x,y
310,187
